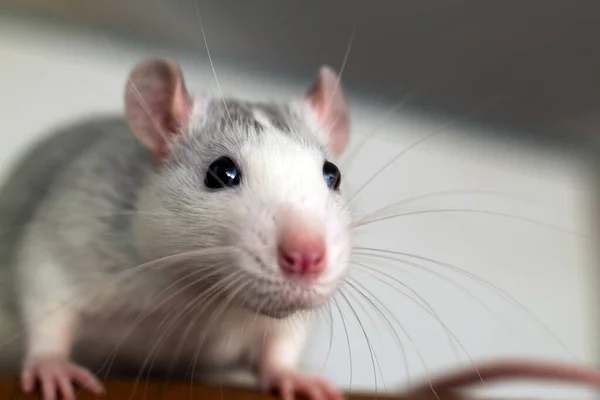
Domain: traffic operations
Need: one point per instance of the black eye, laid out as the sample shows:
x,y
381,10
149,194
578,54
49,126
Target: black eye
x,y
222,173
332,175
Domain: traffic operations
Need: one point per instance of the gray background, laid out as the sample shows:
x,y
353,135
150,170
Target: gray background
x,y
540,56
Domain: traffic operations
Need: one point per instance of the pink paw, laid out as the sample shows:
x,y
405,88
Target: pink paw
x,y
290,385
56,377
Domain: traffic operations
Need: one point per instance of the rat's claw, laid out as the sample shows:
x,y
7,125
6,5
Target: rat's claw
x,y
290,384
56,376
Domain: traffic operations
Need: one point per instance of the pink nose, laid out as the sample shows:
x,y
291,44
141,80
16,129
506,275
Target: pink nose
x,y
301,253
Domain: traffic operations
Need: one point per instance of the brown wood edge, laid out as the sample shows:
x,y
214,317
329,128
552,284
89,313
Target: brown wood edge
x,y
155,390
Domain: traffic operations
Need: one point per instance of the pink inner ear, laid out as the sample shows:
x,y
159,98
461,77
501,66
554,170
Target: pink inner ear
x,y
326,98
181,107
157,104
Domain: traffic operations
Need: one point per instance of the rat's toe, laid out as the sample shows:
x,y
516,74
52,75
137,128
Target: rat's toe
x,y
289,384
86,379
58,376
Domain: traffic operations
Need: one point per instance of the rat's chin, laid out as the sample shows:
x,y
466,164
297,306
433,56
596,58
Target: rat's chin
x,y
285,304
278,314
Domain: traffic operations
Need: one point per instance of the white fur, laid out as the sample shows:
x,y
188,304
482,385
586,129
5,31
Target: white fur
x,y
67,254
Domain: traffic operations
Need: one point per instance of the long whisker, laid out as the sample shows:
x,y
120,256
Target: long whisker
x,y
430,271
426,307
191,307
157,306
402,328
151,354
84,218
191,369
502,293
360,288
353,153
438,193
146,109
347,340
330,315
374,360
161,262
419,142
471,211
210,60
342,68
225,304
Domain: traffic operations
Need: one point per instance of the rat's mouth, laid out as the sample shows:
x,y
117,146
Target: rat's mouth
x,y
280,300
278,295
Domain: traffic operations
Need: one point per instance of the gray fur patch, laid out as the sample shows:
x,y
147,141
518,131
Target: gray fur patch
x,y
240,114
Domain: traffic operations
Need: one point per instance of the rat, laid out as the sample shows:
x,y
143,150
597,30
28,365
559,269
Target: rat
x,y
192,229
195,230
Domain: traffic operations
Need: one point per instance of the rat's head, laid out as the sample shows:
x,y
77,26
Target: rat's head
x,y
251,187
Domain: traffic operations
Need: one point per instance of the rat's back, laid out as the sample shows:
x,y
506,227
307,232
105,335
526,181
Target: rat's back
x,y
71,156
26,187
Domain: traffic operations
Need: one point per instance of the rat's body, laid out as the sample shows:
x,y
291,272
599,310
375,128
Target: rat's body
x,y
190,233
82,214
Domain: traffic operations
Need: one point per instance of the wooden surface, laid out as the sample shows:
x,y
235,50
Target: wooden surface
x,y
128,390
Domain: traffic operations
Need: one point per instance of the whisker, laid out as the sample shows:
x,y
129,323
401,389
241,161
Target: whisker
x,y
359,288
161,262
347,340
502,293
424,306
225,304
439,193
342,68
432,272
83,218
419,142
157,306
212,66
212,173
353,153
330,315
146,109
151,354
472,211
192,307
374,360
191,369
402,328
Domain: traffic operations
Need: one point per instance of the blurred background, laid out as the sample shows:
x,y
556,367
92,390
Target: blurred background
x,y
505,91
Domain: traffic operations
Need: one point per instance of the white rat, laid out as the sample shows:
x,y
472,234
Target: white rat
x,y
195,230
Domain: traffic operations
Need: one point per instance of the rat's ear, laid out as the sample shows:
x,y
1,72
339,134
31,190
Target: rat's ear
x,y
326,98
157,104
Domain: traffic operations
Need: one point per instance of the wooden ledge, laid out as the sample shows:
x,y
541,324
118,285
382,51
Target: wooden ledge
x,y
128,390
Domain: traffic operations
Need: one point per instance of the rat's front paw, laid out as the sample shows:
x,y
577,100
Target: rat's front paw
x,y
56,376
290,385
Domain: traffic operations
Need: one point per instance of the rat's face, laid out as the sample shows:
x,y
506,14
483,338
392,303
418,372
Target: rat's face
x,y
255,185
265,188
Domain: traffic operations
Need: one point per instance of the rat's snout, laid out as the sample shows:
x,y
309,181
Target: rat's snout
x,y
301,249
301,254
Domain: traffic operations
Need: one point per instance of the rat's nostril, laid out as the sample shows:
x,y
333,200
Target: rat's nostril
x,y
302,257
291,258
301,245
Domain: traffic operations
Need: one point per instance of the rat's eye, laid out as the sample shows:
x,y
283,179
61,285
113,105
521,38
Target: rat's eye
x,y
332,175
222,173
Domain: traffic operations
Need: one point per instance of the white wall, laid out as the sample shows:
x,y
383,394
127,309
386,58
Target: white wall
x,y
47,78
